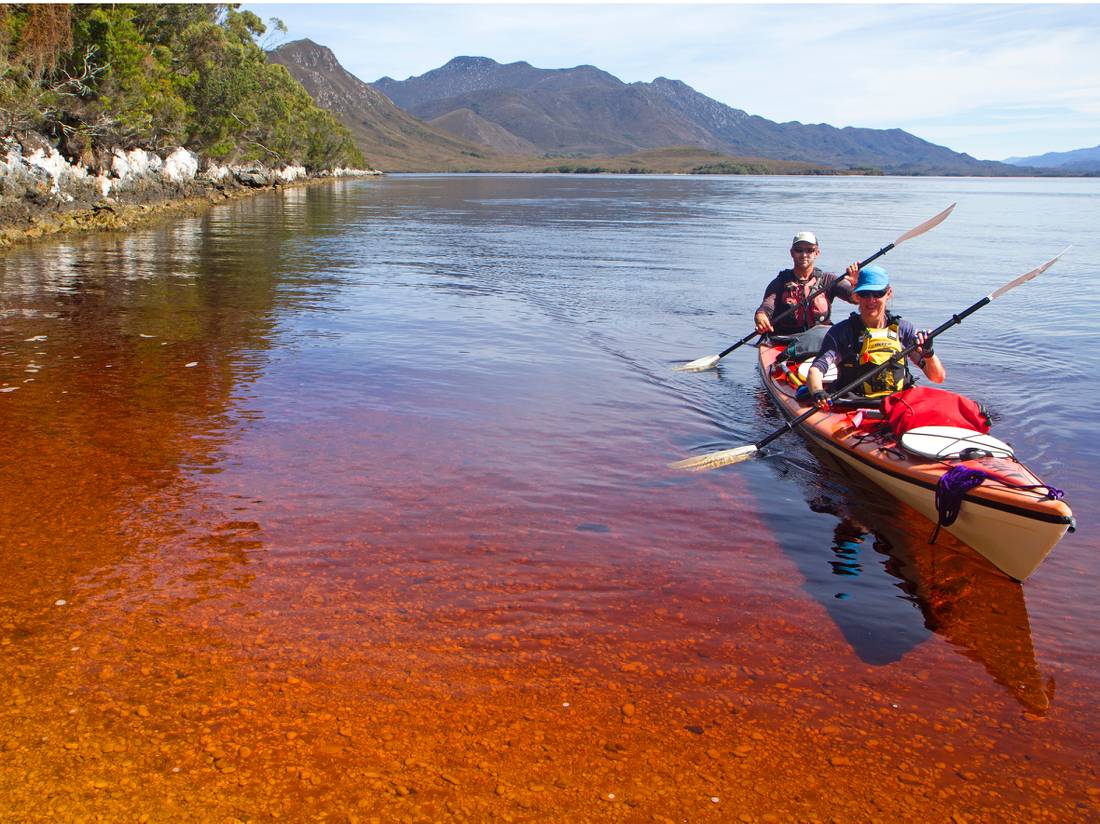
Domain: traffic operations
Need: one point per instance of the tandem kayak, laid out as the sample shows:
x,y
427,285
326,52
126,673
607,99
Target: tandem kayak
x,y
1012,527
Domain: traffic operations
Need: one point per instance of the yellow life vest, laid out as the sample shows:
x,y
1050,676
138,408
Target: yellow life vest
x,y
877,346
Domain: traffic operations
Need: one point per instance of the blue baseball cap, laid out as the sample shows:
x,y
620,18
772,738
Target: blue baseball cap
x,y
872,279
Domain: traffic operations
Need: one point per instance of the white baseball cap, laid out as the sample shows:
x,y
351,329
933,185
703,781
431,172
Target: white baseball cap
x,y
805,237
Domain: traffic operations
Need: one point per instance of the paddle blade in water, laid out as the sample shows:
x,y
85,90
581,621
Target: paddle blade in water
x,y
698,365
714,460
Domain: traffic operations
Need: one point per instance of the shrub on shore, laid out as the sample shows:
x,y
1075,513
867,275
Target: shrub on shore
x,y
99,76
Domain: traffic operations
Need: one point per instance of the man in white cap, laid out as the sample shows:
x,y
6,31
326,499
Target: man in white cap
x,y
794,287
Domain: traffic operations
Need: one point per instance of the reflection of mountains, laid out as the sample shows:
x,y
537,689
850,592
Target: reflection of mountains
x,y
977,610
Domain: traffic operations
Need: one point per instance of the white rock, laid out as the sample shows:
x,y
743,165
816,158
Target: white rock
x,y
135,163
289,173
56,168
180,165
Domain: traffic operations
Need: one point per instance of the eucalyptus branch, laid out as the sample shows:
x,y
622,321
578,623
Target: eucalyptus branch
x,y
70,85
253,140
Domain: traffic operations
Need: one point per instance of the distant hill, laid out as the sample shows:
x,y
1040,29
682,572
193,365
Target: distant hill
x,y
466,125
1080,161
584,111
460,140
391,139
580,111
676,160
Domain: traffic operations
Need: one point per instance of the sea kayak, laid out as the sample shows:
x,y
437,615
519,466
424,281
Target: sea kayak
x,y
1012,528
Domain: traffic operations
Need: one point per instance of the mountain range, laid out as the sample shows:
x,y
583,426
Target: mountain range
x,y
1078,161
389,138
477,114
584,111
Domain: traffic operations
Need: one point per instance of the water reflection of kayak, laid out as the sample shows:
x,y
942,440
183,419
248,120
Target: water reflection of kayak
x,y
974,608
1012,528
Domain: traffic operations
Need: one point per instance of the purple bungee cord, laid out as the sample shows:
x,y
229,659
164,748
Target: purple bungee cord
x,y
957,481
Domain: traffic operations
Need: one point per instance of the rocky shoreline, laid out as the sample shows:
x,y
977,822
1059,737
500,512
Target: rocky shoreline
x,y
42,193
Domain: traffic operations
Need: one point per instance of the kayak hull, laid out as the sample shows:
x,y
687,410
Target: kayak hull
x,y
1013,529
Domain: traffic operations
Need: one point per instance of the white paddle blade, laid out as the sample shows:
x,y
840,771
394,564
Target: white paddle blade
x,y
1034,273
698,365
714,460
931,223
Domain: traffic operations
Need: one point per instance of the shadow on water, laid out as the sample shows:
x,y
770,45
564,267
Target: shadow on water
x,y
888,590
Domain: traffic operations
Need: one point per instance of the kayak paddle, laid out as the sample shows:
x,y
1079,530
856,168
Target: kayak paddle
x,y
725,457
709,362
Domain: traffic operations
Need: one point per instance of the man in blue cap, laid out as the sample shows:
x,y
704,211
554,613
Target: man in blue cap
x,y
867,339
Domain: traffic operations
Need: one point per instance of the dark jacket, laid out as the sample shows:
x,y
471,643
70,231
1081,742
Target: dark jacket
x,y
786,290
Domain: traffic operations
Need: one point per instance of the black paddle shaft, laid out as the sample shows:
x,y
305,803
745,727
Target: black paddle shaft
x,y
943,327
809,297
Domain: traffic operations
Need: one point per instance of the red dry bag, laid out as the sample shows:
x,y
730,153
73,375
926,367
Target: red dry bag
x,y
924,406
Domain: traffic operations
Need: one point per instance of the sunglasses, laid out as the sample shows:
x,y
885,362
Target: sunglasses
x,y
804,250
877,293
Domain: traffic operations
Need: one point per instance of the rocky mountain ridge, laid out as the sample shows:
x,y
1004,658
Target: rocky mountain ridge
x,y
585,110
392,139
475,114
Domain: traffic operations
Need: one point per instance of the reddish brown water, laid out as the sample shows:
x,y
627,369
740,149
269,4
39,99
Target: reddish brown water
x,y
353,505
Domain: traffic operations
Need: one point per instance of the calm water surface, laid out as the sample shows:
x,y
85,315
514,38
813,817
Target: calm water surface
x,y
354,500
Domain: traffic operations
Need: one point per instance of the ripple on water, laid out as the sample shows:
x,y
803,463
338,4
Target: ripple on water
x,y
419,471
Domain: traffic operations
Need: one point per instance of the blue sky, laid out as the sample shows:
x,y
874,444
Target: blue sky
x,y
991,80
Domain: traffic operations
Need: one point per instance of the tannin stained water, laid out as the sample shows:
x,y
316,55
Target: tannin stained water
x,y
354,500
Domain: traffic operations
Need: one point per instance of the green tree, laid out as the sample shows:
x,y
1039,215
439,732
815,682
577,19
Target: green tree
x,y
155,75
